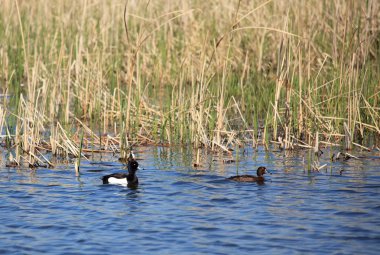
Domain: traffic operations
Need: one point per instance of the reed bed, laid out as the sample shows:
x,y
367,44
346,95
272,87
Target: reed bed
x,y
98,75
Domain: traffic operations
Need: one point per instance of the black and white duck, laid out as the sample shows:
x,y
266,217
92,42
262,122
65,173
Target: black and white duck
x,y
122,178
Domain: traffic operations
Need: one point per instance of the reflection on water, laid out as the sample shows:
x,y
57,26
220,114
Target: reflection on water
x,y
179,209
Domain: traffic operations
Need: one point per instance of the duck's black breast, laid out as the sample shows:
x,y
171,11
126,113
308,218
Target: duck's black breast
x,y
132,179
116,175
246,178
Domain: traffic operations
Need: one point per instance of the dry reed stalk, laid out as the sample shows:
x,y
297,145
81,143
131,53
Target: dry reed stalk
x,y
361,146
374,115
316,144
265,133
347,137
330,144
88,130
2,120
220,110
67,144
301,144
254,141
85,68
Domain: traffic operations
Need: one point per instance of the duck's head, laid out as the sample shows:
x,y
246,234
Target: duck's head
x,y
133,166
261,171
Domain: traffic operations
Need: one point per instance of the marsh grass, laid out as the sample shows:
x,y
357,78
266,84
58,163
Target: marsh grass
x,y
209,74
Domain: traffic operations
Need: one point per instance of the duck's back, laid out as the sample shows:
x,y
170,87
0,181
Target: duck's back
x,y
246,178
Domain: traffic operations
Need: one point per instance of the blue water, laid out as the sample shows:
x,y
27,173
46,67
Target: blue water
x,y
179,209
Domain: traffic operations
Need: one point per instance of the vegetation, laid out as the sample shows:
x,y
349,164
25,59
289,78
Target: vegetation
x,y
214,74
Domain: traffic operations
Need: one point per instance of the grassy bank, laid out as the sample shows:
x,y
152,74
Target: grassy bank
x,y
213,74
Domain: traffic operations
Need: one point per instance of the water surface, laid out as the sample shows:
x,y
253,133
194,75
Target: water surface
x,y
179,209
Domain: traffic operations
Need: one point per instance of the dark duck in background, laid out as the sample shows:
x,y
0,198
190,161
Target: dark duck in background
x,y
251,178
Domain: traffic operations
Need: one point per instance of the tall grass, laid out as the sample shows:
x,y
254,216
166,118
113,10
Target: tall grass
x,y
207,73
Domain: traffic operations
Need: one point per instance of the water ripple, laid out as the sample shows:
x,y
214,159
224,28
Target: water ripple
x,y
180,210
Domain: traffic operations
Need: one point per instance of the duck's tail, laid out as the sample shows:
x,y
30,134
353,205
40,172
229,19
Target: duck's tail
x,y
104,179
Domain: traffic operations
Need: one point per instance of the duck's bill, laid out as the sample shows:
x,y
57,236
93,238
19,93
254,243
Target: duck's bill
x,y
267,172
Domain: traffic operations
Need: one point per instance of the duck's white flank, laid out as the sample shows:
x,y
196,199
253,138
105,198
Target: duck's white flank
x,y
113,180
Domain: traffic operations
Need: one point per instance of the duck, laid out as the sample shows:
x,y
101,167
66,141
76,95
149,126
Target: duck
x,y
251,178
129,179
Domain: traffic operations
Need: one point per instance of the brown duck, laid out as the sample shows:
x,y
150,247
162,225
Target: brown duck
x,y
250,178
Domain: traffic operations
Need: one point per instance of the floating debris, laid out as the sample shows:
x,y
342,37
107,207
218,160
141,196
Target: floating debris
x,y
12,164
342,156
316,167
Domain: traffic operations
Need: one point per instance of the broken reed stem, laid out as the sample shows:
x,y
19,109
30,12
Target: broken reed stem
x,y
77,163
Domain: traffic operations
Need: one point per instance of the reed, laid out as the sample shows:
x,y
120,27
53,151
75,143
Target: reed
x,y
210,74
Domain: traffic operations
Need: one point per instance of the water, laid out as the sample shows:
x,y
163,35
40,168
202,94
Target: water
x,y
179,209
